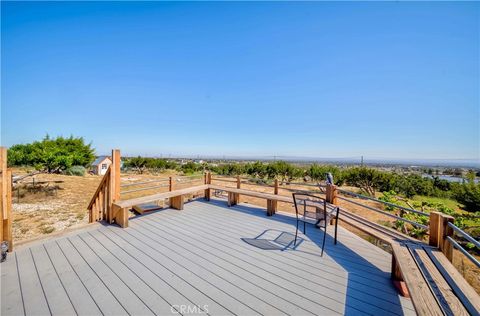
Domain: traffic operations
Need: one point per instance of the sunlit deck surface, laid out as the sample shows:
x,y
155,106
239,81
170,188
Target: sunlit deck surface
x,y
207,259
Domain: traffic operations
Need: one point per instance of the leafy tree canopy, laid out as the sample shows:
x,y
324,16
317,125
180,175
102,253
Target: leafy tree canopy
x,y
52,155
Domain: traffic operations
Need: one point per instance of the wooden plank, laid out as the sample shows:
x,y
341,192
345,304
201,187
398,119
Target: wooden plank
x,y
447,299
245,220
229,257
230,251
183,280
446,246
159,196
232,200
301,260
115,283
33,296
422,297
3,169
152,299
104,298
81,299
7,222
146,207
11,295
464,291
233,296
261,195
57,297
176,202
157,279
101,204
120,216
271,207
434,229
102,184
116,175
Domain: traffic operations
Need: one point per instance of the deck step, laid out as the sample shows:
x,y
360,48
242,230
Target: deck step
x,y
146,207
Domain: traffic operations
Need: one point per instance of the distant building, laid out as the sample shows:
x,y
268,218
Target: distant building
x,y
101,164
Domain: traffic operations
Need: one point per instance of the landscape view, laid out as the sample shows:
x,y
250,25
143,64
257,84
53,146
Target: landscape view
x,y
243,115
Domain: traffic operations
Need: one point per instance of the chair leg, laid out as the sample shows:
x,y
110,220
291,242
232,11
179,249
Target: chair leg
x,y
296,233
336,226
324,237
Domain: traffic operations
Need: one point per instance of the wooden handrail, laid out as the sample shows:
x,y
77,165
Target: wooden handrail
x,y
100,185
107,192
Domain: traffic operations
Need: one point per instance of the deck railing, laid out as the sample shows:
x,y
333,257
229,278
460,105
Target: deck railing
x,y
469,238
108,191
440,227
6,217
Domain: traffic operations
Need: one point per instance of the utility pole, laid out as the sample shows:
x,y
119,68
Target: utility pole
x,y
361,162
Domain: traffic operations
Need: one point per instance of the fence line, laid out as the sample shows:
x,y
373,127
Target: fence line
x,y
383,202
384,213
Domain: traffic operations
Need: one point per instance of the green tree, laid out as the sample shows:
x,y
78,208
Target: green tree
x,y
52,155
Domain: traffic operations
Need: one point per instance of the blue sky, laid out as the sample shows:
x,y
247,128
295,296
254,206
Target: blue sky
x,y
317,79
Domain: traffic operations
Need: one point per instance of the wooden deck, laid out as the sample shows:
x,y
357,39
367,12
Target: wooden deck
x,y
206,259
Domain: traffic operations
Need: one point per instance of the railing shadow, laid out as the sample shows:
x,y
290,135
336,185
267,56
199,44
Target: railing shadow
x,y
353,263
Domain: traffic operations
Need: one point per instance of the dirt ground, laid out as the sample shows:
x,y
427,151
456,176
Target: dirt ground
x,y
46,203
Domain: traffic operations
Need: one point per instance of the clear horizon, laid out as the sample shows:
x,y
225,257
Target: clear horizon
x,y
388,80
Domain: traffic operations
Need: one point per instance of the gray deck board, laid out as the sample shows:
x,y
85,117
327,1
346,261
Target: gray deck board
x,y
102,295
169,261
81,299
336,290
10,288
169,272
32,290
58,300
268,271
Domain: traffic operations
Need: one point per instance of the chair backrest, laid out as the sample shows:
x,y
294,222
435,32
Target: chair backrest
x,y
309,204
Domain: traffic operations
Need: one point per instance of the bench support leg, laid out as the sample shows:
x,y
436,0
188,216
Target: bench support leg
x,y
232,199
397,278
271,207
176,202
120,216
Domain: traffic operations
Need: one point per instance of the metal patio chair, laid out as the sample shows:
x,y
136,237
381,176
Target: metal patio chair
x,y
312,207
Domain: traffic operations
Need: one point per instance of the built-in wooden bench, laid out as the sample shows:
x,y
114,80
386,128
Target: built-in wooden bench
x,y
120,208
432,282
272,199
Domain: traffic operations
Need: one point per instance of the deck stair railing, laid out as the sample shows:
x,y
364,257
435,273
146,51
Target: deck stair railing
x,y
6,216
108,191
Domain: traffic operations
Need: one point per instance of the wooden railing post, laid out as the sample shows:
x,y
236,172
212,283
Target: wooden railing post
x,y
331,197
239,184
272,204
434,229
331,194
446,246
114,192
6,200
208,179
170,183
439,231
